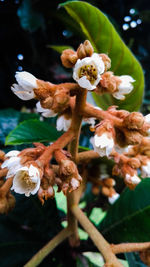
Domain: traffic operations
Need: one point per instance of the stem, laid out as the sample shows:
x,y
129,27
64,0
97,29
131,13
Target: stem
x,y
97,238
84,157
74,197
42,253
129,247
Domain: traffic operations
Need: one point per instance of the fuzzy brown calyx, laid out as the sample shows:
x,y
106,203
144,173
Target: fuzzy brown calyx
x,y
135,120
85,50
69,58
106,60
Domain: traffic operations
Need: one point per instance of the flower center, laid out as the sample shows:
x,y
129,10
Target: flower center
x,y
89,71
26,181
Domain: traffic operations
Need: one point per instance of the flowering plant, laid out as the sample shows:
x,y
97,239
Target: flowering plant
x,y
121,136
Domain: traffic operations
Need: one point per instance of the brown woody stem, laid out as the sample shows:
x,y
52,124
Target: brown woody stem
x,y
129,247
74,197
41,254
97,238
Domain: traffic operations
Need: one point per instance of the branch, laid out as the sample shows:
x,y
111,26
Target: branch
x,y
129,247
42,253
84,157
97,238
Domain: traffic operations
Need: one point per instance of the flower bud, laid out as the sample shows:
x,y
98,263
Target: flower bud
x,y
109,182
106,60
47,102
68,58
135,120
108,82
88,48
81,53
132,137
67,167
105,191
134,163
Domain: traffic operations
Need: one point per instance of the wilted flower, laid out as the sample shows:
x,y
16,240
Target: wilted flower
x,y
124,88
145,170
26,84
87,71
63,124
103,144
26,180
47,113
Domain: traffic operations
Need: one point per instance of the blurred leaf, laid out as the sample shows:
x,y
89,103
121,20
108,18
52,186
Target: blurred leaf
x,y
96,216
30,19
133,260
100,32
128,219
26,229
59,48
32,131
9,119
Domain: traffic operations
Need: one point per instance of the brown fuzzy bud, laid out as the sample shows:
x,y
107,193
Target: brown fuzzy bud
x,y
69,58
134,163
132,137
67,167
135,120
116,170
81,53
108,81
105,191
109,182
61,97
2,155
47,103
44,90
88,48
106,60
145,256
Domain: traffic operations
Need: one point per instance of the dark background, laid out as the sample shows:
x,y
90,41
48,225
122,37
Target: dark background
x,y
27,27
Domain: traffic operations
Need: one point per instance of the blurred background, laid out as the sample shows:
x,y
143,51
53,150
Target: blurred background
x,y
29,27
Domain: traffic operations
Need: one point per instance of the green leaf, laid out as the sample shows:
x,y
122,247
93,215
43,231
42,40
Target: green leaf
x,y
59,48
128,219
100,32
32,131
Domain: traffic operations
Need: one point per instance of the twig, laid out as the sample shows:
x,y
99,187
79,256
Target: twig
x,y
129,247
97,238
41,254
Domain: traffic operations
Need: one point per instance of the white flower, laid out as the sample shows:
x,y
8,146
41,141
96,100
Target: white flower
x,y
26,180
125,87
90,121
26,84
113,199
63,124
87,71
74,183
47,113
145,170
103,145
12,162
132,179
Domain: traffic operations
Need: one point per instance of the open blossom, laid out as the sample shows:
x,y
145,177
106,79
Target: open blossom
x,y
132,179
145,170
12,162
63,124
87,71
47,113
26,180
113,198
103,144
124,88
26,84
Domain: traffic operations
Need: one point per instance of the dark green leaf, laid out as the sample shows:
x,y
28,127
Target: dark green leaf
x,y
98,29
134,260
128,219
32,131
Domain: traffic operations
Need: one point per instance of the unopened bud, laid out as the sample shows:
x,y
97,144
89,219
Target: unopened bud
x,y
108,81
47,103
135,120
81,53
106,60
67,167
69,58
134,163
109,182
88,48
105,191
116,170
132,137
61,97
